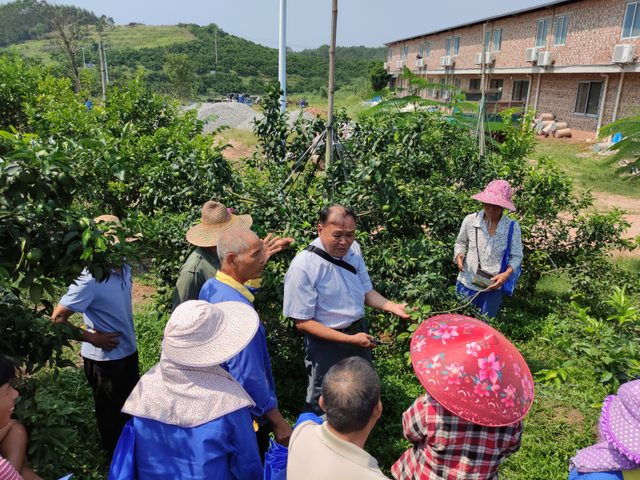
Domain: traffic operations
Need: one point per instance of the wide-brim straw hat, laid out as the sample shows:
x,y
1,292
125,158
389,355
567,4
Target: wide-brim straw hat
x,y
498,193
201,334
472,370
216,219
112,219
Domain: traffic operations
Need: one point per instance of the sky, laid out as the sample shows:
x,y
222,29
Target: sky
x,y
363,22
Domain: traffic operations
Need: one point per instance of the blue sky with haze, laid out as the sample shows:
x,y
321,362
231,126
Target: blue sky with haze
x,y
362,22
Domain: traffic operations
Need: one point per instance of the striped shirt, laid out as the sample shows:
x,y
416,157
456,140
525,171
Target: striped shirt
x,y
315,289
446,447
7,472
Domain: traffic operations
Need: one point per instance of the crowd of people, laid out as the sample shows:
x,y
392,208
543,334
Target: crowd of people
x,y
208,409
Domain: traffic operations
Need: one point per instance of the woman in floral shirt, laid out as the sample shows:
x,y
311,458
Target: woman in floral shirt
x,y
486,233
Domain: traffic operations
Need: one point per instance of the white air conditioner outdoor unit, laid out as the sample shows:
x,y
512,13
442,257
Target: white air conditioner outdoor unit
x,y
545,59
399,64
420,63
446,94
386,65
488,58
532,54
446,61
433,93
623,53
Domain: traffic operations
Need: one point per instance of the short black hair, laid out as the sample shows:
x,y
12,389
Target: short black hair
x,y
350,392
7,370
327,212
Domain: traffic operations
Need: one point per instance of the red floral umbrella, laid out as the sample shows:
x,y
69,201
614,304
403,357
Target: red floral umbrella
x,y
472,370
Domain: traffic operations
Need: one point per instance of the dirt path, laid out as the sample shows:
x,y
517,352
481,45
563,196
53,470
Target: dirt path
x,y
141,295
605,201
237,150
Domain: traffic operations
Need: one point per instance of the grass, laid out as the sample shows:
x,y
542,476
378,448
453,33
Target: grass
x,y
245,138
592,171
120,37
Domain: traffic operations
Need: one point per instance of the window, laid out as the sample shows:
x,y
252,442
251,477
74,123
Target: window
x,y
561,30
474,84
428,49
631,23
406,52
390,54
497,39
421,49
456,82
456,45
487,40
430,80
497,84
541,34
588,98
448,49
520,90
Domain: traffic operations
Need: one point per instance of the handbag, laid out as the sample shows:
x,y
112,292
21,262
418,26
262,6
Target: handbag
x,y
481,278
510,285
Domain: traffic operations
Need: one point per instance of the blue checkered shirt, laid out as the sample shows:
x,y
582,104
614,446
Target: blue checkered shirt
x,y
315,289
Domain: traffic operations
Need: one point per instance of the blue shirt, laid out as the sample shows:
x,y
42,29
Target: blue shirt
x,y
222,449
315,289
105,307
251,367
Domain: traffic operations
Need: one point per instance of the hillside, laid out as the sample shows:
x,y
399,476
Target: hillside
x,y
348,53
242,66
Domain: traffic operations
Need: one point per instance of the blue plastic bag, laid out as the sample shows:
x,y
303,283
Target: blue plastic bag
x,y
510,285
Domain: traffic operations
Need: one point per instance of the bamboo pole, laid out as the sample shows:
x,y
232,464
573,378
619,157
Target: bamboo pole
x,y
332,66
102,73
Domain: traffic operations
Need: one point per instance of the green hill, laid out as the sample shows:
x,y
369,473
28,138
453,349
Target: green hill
x,y
348,53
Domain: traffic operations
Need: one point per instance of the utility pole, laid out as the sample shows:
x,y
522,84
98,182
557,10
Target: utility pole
x,y
84,63
106,68
215,36
332,66
481,110
282,58
102,73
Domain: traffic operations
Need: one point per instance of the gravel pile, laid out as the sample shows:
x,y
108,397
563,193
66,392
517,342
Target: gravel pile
x,y
236,115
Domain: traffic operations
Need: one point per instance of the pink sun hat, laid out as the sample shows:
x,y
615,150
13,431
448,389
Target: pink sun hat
x,y
472,370
498,193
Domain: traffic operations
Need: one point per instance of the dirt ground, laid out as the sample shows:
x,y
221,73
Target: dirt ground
x,y
237,152
141,295
630,205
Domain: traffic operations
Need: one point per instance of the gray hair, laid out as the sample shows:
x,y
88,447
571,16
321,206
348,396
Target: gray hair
x,y
236,241
350,393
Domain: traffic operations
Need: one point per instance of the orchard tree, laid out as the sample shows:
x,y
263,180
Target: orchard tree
x,y
378,76
179,68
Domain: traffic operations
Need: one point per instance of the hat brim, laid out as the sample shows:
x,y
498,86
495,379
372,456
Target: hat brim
x,y
484,198
202,235
241,323
615,426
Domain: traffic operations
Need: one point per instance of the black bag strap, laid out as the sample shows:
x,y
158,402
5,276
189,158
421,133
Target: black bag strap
x,y
477,250
322,254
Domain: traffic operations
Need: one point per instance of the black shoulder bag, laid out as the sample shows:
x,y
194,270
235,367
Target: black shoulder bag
x,y
322,254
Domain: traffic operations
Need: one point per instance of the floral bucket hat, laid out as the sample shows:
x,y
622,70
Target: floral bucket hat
x,y
472,370
498,193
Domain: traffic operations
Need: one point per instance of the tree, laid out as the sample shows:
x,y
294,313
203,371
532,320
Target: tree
x,y
378,76
628,147
179,68
67,38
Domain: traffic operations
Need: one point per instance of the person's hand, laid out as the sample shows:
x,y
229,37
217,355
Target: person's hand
x,y
363,340
105,341
282,431
398,309
459,261
285,243
271,245
500,279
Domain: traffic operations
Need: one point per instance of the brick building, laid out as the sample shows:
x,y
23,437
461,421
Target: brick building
x,y
573,58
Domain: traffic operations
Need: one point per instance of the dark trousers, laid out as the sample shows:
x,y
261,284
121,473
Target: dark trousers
x,y
112,382
321,355
264,440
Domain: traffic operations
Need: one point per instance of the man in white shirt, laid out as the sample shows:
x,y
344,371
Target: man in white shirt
x,y
325,291
335,449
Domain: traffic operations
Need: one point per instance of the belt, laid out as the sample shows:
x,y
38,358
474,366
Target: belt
x,y
351,328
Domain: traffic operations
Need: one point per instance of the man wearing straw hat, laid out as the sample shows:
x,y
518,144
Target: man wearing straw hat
x,y
109,348
203,263
191,419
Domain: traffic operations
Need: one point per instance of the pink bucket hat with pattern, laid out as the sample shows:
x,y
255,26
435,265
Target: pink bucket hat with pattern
x,y
498,193
199,334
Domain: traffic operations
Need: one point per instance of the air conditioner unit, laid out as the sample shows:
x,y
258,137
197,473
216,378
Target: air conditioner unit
x,y
420,63
488,58
399,64
446,94
623,53
434,93
446,61
545,59
532,54
386,65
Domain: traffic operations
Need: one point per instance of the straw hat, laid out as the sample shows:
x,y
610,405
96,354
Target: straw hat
x,y
498,193
107,219
216,218
200,334
472,370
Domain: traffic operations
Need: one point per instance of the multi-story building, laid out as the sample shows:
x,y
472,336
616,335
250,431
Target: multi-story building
x,y
573,58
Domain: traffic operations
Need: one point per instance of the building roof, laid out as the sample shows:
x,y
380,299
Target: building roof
x,y
544,6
